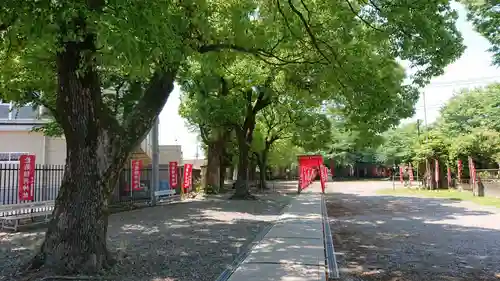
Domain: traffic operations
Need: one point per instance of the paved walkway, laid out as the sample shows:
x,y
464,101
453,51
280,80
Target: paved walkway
x,y
294,248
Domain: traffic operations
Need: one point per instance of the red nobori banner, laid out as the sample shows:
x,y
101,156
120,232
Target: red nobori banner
x,y
188,176
449,176
172,169
410,171
436,171
26,177
136,166
459,170
322,175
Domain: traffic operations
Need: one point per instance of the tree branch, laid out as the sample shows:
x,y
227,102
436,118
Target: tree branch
x,y
361,18
204,134
137,124
315,40
382,13
308,30
259,53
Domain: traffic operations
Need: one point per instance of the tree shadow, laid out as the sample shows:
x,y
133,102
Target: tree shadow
x,y
190,240
406,238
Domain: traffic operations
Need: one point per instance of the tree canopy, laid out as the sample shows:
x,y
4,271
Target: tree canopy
x,y
467,126
105,69
485,16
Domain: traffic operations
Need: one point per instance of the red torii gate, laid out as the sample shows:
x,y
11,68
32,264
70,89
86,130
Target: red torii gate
x,y
309,165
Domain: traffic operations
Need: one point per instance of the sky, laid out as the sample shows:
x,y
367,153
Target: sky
x,y
473,69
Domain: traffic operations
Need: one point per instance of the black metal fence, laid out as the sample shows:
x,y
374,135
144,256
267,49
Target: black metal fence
x,y
46,182
48,179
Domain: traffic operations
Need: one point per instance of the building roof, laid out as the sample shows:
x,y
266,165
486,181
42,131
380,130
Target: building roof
x,y
22,118
18,113
197,163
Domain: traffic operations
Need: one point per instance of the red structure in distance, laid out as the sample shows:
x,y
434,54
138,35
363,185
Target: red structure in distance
x,y
309,167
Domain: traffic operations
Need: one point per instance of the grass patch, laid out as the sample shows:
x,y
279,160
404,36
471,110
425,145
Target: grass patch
x,y
450,194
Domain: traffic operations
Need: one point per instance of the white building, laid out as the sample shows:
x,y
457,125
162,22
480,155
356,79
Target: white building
x,y
17,138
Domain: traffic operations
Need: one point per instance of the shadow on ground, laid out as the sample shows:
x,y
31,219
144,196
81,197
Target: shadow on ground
x,y
403,238
193,240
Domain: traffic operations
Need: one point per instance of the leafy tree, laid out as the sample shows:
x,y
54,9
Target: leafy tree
x,y
482,145
470,120
470,109
468,126
204,102
61,55
247,88
283,154
486,19
288,119
398,145
348,143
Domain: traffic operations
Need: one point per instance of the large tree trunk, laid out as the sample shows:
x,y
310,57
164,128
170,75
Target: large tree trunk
x,y
213,166
76,238
241,185
262,162
97,149
262,175
244,135
222,176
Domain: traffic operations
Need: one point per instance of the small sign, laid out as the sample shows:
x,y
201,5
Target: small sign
x,y
436,171
26,177
136,165
188,176
459,170
449,176
172,167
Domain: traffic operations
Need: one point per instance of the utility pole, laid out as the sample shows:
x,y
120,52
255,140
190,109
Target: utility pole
x,y
156,161
197,150
427,167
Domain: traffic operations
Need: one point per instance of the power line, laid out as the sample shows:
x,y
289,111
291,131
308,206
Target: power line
x,y
464,82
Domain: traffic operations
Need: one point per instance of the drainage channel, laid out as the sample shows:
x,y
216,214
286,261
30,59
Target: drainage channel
x,y
332,271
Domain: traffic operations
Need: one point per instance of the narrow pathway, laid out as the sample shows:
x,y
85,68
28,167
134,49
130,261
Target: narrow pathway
x,y
294,247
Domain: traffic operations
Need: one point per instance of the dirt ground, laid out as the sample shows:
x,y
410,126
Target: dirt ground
x,y
387,238
187,241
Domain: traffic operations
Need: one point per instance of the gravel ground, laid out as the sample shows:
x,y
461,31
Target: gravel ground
x,y
193,240
411,239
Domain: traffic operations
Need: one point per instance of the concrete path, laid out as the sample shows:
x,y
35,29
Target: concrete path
x,y
293,250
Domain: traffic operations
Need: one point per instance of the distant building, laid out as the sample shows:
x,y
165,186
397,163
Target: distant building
x,y
17,137
197,163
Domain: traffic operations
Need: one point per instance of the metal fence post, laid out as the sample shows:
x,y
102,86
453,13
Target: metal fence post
x,y
155,181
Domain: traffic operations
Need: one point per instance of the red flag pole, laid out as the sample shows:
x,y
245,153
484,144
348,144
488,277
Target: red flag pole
x,y
449,176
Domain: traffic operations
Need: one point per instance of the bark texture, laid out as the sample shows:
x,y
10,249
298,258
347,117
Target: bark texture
x,y
76,238
244,134
262,162
213,166
216,143
241,185
97,147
